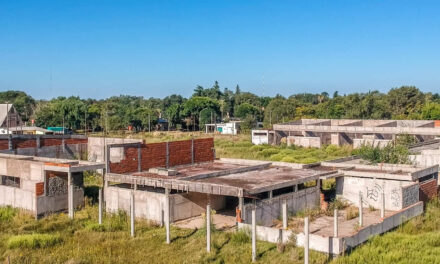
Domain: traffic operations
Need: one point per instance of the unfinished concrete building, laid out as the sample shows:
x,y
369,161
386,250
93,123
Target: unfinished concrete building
x,y
42,185
318,132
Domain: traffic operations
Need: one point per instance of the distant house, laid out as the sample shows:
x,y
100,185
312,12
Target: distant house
x,y
30,130
230,128
9,116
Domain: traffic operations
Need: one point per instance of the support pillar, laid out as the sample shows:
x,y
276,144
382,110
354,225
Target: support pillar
x,y
208,227
335,223
100,206
167,214
167,161
254,236
361,216
132,214
306,240
70,195
241,206
270,194
284,214
382,208
192,151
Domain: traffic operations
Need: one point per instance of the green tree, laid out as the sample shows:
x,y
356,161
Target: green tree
x,y
431,111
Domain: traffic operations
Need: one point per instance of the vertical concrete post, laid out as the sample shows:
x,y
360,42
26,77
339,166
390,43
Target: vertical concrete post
x,y
167,214
192,151
100,206
335,223
306,240
270,194
382,208
361,215
70,195
107,159
132,214
63,144
208,227
10,145
38,141
284,214
167,154
254,236
139,158
240,206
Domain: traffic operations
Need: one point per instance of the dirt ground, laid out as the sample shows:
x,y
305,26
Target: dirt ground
x,y
222,220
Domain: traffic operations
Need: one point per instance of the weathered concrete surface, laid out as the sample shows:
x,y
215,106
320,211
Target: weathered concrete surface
x,y
307,142
96,148
381,143
398,194
269,210
332,245
150,203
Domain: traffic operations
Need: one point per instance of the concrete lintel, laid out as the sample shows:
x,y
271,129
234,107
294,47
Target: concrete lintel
x,y
227,172
283,184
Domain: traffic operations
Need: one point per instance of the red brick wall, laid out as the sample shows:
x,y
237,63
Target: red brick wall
x,y
428,190
129,163
154,155
39,188
4,144
203,150
23,143
75,141
46,142
180,152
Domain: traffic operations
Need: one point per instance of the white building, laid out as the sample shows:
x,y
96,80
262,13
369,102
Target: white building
x,y
230,128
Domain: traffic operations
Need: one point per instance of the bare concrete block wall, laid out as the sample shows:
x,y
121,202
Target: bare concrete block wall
x,y
150,205
398,194
52,204
16,197
307,142
268,210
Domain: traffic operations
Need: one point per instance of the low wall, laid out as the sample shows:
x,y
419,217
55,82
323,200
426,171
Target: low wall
x,y
16,197
337,245
51,204
150,204
398,194
381,143
307,142
268,210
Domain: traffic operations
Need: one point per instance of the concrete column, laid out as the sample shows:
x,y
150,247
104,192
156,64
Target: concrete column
x,y
139,157
167,161
107,159
361,216
208,227
10,145
306,240
132,214
382,208
284,214
38,141
295,188
192,151
63,144
100,206
70,195
335,223
167,214
270,194
254,236
241,207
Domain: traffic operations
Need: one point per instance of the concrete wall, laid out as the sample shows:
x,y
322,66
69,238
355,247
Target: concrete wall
x,y
270,209
398,194
16,197
307,142
97,145
51,204
381,143
260,137
334,245
150,204
427,157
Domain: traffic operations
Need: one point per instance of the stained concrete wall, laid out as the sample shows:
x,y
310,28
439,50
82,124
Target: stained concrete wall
x,y
334,245
70,151
97,145
268,210
51,204
16,197
150,204
307,142
398,194
381,143
427,157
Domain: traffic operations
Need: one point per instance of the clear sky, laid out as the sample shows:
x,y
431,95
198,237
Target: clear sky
x,y
155,48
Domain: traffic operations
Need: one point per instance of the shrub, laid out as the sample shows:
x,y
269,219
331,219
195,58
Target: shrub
x,y
352,212
7,213
240,237
33,241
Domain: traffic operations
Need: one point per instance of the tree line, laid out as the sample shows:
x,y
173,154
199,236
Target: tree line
x,y
214,104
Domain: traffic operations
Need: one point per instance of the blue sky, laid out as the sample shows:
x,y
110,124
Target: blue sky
x,y
155,48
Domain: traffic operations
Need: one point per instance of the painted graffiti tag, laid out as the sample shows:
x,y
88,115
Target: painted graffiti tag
x,y
373,193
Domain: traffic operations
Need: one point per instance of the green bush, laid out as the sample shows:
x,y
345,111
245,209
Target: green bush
x,y
33,241
7,213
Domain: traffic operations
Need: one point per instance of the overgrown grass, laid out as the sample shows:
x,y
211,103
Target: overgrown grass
x,y
33,241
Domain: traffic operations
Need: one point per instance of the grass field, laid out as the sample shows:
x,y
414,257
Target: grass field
x,y
57,239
